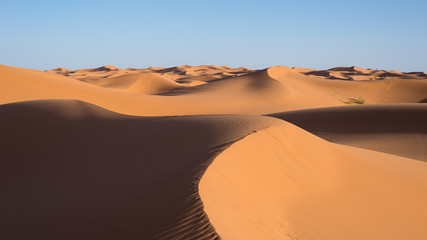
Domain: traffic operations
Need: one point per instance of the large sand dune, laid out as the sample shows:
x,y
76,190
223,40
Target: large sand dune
x,y
284,183
211,152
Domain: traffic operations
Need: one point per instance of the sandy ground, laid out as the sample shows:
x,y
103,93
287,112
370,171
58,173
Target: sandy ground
x,y
211,152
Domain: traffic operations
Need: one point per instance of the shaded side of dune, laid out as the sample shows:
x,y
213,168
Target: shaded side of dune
x,y
398,129
71,170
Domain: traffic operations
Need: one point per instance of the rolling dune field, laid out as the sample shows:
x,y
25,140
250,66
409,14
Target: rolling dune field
x,y
213,152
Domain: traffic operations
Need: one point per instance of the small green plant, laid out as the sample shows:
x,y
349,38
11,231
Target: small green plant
x,y
358,100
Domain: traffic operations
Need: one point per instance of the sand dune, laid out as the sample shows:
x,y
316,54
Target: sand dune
x,y
76,171
210,152
179,73
145,83
360,74
284,183
398,129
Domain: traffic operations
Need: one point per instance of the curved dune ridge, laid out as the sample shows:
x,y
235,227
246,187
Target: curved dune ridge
x,y
211,152
71,170
145,83
284,183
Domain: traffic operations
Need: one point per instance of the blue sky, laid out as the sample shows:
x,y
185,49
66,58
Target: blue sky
x,y
256,34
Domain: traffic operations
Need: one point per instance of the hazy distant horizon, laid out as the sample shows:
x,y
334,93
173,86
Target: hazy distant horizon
x,y
377,34
145,67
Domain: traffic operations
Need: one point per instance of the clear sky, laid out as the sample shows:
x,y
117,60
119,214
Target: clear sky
x,y
76,34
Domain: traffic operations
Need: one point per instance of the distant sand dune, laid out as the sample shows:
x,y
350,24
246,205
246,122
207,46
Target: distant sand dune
x,y
145,83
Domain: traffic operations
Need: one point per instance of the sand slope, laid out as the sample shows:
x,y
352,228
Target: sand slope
x,y
398,129
284,183
71,170
144,83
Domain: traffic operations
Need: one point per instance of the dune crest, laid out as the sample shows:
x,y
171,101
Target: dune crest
x,y
381,128
284,183
113,176
107,68
277,72
61,69
144,83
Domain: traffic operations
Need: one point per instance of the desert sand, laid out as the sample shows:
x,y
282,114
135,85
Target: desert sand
x,y
213,152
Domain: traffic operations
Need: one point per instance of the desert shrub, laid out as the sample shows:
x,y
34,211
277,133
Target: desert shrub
x,y
357,100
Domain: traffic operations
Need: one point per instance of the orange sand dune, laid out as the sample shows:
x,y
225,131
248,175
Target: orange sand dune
x,y
71,170
144,83
284,183
211,152
398,129
180,73
360,74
